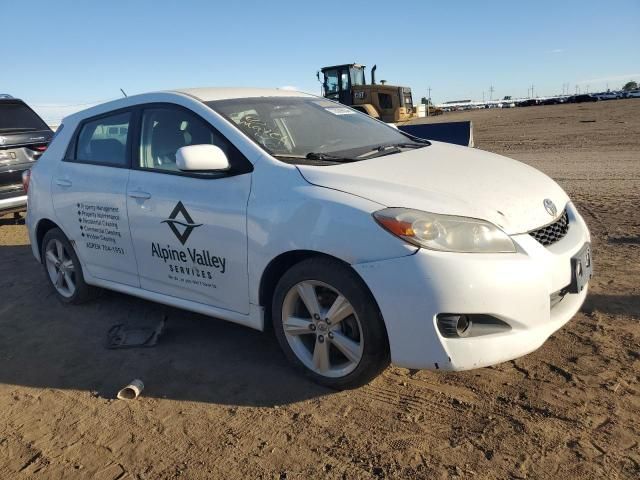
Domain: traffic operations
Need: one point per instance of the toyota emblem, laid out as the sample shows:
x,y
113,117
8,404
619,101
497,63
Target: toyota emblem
x,y
550,207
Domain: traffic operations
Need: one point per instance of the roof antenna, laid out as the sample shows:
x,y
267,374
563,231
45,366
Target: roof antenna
x,y
125,95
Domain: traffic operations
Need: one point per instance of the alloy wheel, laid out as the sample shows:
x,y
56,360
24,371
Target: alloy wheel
x,y
60,267
322,328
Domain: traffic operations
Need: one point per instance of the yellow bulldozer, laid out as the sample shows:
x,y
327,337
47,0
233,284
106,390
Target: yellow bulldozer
x,y
347,84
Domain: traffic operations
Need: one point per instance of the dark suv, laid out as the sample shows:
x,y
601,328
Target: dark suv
x,y
23,138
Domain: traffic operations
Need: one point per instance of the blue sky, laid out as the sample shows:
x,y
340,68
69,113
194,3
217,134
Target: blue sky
x,y
60,55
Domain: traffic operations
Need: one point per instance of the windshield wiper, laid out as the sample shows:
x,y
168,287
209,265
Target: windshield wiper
x,y
386,146
391,148
423,143
328,156
380,151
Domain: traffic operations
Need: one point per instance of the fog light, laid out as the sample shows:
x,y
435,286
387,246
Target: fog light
x,y
451,325
461,325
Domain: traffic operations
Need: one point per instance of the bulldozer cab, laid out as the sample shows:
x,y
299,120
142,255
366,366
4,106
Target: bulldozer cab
x,y
339,81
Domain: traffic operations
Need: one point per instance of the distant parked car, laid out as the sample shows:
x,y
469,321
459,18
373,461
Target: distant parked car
x,y
528,103
23,138
582,98
607,96
633,94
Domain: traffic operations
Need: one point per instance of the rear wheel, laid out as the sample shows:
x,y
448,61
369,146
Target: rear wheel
x,y
328,324
63,268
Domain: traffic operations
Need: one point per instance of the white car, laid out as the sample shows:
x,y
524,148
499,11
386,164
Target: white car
x,y
360,244
607,96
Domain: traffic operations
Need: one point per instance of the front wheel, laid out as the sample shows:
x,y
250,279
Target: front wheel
x,y
329,325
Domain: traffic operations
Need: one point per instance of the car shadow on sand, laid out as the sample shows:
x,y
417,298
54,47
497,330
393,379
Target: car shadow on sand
x,y
612,304
47,344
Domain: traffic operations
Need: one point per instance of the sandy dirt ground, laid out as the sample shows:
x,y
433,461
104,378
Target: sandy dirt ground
x,y
221,401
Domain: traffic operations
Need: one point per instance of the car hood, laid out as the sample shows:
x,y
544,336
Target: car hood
x,y
449,179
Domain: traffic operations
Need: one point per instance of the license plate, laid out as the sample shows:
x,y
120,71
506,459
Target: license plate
x,y
581,269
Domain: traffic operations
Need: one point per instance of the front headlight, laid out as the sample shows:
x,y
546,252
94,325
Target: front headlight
x,y
446,233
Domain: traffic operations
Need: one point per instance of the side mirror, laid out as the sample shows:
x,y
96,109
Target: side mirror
x,y
202,158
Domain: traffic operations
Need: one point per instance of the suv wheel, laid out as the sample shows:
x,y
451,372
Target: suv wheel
x,y
63,268
328,324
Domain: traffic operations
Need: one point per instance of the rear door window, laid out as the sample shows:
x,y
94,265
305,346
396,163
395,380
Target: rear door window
x,y
104,141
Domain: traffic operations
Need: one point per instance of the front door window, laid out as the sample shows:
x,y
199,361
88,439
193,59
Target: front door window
x,y
165,130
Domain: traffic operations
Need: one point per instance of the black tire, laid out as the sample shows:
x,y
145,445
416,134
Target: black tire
x,y
375,357
83,292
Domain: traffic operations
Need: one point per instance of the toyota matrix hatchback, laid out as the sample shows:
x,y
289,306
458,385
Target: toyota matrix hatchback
x,y
360,244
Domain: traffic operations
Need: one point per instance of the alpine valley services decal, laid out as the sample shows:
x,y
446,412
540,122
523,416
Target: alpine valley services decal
x,y
186,264
188,224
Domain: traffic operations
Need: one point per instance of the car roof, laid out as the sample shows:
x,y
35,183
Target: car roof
x,y
9,98
206,94
209,94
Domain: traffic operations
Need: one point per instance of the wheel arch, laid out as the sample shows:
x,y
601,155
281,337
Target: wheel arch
x,y
283,262
44,225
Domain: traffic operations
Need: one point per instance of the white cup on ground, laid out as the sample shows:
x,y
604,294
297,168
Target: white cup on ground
x,y
131,391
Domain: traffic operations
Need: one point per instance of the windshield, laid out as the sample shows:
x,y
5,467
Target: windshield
x,y
309,127
17,117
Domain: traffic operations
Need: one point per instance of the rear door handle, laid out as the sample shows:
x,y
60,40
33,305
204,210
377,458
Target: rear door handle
x,y
140,194
61,182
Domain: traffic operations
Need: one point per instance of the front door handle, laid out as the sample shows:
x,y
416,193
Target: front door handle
x,y
140,194
62,182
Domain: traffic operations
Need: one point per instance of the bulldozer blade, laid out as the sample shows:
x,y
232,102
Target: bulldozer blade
x,y
459,133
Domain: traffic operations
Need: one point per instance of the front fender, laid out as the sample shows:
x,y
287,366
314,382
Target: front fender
x,y
286,213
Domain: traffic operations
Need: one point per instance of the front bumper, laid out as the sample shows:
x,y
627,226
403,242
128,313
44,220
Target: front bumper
x,y
13,204
514,288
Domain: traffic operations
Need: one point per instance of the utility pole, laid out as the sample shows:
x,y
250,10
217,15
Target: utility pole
x,y
532,96
491,92
428,100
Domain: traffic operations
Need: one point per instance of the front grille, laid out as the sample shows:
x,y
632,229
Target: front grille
x,y
553,232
